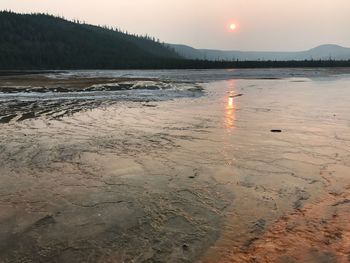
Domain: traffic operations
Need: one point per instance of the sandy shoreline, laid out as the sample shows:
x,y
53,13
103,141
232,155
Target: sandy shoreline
x,y
194,176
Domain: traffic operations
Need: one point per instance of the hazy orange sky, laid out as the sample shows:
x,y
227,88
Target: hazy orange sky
x,y
262,24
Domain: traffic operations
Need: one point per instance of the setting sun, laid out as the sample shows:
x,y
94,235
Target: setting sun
x,y
233,27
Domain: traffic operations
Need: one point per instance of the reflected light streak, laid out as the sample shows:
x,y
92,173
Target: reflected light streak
x,y
230,103
230,114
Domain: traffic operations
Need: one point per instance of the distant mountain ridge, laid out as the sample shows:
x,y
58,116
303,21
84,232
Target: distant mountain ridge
x,y
323,52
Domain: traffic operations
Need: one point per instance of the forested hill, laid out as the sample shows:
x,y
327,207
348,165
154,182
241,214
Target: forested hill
x,y
38,41
44,42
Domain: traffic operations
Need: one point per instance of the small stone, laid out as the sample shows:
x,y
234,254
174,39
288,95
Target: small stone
x,y
276,130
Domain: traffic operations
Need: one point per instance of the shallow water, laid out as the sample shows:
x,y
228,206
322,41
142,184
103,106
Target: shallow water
x,y
197,177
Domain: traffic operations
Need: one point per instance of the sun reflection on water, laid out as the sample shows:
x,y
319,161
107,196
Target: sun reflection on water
x,y
230,107
230,103
230,114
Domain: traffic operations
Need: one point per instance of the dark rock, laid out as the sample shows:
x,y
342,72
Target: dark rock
x,y
276,130
195,174
234,96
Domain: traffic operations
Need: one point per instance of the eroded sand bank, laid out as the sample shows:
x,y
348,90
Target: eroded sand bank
x,y
186,177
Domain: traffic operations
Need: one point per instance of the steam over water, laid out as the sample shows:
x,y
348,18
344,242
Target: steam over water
x,y
175,166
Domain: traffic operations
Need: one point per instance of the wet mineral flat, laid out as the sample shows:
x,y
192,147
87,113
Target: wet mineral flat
x,y
175,166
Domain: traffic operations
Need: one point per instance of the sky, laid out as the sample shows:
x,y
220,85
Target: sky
x,y
262,25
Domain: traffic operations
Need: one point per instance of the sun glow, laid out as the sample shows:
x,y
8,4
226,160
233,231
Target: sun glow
x,y
233,27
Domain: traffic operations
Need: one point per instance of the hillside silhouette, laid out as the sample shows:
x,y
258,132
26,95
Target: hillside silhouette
x,y
45,42
42,41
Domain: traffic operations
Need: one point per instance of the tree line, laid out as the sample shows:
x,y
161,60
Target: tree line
x,y
45,42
